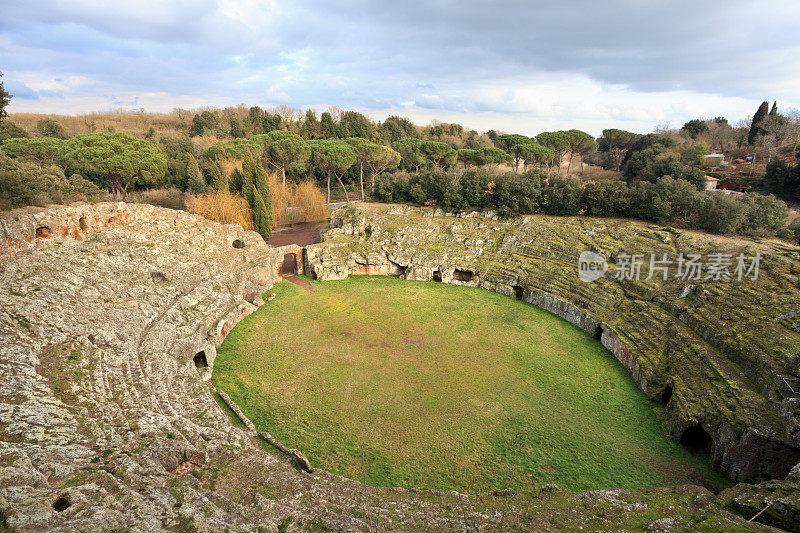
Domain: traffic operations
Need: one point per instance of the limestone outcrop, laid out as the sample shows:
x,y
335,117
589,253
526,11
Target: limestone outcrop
x,y
110,316
717,353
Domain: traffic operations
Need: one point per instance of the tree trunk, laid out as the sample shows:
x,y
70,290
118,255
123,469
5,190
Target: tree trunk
x,y
361,177
569,165
329,188
283,171
346,196
581,165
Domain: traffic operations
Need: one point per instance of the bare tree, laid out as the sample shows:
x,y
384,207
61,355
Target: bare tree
x,y
792,131
775,133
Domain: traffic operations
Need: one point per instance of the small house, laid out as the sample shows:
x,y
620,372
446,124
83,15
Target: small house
x,y
711,183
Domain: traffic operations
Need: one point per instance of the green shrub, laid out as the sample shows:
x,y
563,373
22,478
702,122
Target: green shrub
x,y
562,196
47,127
720,213
794,228
9,130
474,184
766,215
23,183
513,194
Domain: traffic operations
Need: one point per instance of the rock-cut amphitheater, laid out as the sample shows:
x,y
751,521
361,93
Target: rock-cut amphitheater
x,y
110,316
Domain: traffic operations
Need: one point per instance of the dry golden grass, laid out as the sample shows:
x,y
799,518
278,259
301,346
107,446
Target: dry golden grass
x,y
311,200
595,173
136,123
229,164
281,199
296,203
223,207
171,197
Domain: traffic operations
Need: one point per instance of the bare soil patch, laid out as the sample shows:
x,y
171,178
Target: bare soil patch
x,y
300,234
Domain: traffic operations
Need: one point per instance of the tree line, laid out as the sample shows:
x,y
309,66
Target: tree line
x,y
342,147
665,201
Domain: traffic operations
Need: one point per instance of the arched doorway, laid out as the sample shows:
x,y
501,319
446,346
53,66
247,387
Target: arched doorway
x,y
289,264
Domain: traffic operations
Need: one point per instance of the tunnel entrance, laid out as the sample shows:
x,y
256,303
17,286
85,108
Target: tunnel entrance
x,y
696,440
437,275
518,291
200,360
289,265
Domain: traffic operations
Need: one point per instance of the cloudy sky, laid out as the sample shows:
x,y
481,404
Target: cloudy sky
x,y
522,66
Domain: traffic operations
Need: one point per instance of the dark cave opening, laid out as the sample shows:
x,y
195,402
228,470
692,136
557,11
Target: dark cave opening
x,y
396,269
200,360
696,440
666,395
61,504
462,275
437,275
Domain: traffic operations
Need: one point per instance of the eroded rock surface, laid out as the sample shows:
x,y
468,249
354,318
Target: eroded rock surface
x,y
108,332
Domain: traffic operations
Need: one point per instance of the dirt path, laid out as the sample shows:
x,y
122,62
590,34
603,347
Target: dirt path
x,y
301,234
300,282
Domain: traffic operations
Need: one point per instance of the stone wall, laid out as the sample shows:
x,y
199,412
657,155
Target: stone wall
x,y
26,229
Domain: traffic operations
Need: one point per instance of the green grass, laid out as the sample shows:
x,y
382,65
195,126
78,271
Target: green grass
x,y
445,387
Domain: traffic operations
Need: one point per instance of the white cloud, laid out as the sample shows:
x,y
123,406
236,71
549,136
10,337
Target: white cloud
x,y
503,65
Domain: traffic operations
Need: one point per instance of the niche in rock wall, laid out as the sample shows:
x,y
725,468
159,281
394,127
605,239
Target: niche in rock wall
x,y
238,243
396,269
61,504
83,224
666,395
519,290
200,360
696,439
43,232
437,275
462,275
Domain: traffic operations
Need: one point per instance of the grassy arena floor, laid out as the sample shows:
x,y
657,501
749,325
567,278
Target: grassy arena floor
x,y
445,387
